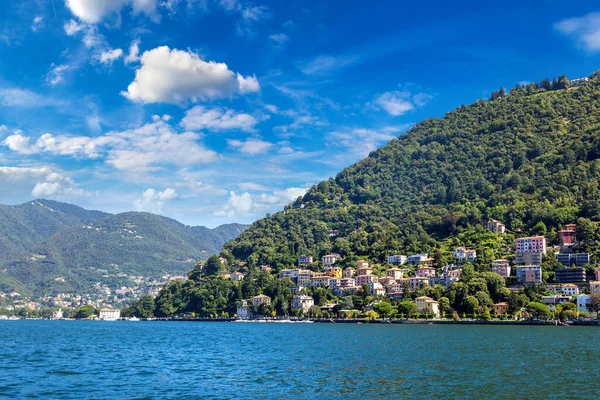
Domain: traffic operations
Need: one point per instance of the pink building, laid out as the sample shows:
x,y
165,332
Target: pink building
x,y
425,272
501,267
598,274
365,279
533,244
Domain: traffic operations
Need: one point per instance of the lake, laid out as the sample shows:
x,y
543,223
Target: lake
x,y
171,360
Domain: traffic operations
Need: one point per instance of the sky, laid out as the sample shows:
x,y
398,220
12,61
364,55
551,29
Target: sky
x,y
219,111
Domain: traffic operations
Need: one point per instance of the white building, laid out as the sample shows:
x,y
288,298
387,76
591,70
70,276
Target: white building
x,y
237,276
304,260
417,259
108,314
397,259
57,314
582,302
330,259
303,302
465,255
243,310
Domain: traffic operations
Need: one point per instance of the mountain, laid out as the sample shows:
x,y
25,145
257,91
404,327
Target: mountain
x,y
530,158
57,247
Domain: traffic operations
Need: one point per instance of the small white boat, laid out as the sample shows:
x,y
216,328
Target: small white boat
x,y
134,319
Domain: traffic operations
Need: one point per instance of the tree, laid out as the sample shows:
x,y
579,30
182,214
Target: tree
x,y
407,308
444,304
486,314
384,309
145,307
371,315
84,312
593,304
471,304
538,310
213,265
314,311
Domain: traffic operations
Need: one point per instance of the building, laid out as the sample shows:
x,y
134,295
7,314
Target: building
x,y
320,280
465,255
243,310
598,274
427,305
553,300
302,302
362,264
416,282
237,276
397,259
578,81
334,272
594,286
417,259
425,272
500,308
365,279
108,314
285,273
265,268
57,314
569,289
377,289
566,237
501,267
529,274
349,272
533,244
496,226
364,270
570,259
304,277
582,302
305,260
259,300
330,259
395,273
568,275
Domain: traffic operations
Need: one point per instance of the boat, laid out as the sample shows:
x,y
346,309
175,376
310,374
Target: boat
x,y
134,319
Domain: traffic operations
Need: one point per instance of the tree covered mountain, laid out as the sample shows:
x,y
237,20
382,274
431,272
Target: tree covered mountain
x,y
57,247
530,158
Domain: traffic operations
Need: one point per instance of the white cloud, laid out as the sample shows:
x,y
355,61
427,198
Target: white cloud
x,y
176,76
134,52
359,142
199,187
15,97
279,39
250,146
153,201
38,23
398,103
94,11
247,205
250,14
584,30
110,55
217,119
136,150
252,186
56,74
73,27
323,65
38,182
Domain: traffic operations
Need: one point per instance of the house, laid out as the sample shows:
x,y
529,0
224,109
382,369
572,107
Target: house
x,y
364,270
416,282
594,286
397,287
450,274
396,296
243,310
57,314
501,267
347,291
569,259
365,279
305,260
304,277
578,81
529,250
427,305
417,259
108,314
285,273
397,259
496,226
320,280
465,255
395,273
529,274
425,272
569,289
566,237
582,302
237,276
377,289
386,280
302,302
568,275
349,272
553,300
265,268
362,264
334,272
501,308
257,301
347,282
330,259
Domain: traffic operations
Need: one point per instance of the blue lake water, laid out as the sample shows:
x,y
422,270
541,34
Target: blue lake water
x,y
172,360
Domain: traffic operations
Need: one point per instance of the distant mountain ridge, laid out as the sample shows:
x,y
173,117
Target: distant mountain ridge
x,y
48,246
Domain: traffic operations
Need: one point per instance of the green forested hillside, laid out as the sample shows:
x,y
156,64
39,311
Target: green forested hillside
x,y
530,158
75,248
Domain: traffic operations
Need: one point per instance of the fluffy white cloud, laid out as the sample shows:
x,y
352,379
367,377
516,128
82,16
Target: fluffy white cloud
x,y
251,146
38,23
218,119
584,30
136,150
398,103
176,76
110,55
247,205
153,201
39,182
94,11
134,52
56,74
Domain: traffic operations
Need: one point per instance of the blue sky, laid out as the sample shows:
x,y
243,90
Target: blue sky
x,y
217,111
